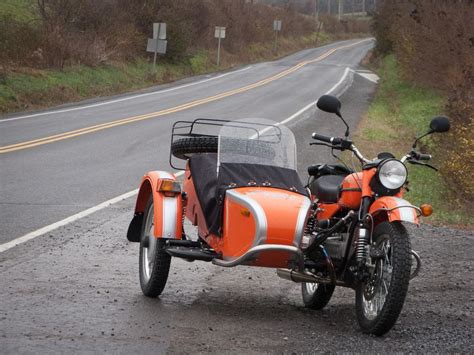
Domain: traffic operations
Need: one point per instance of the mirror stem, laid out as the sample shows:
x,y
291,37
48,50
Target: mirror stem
x,y
347,126
423,135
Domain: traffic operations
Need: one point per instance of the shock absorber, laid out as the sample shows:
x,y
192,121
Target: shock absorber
x,y
362,240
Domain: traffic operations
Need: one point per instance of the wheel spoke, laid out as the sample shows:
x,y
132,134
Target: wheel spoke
x,y
378,286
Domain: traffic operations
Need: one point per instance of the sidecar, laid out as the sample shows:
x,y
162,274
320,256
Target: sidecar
x,y
241,191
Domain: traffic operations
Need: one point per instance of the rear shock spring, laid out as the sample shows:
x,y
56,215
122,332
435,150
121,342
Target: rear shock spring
x,y
361,242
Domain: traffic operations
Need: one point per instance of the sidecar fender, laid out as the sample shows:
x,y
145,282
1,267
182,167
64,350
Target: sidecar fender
x,y
167,208
394,209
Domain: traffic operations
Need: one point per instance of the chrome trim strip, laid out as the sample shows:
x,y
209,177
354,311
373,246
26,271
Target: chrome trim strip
x,y
170,213
258,249
257,212
300,222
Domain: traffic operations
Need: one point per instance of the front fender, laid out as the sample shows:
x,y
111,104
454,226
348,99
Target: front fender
x,y
395,209
167,210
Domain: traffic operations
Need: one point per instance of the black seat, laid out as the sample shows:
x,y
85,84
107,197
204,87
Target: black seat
x,y
326,188
328,169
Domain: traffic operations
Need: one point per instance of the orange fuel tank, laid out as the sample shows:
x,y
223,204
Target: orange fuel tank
x,y
351,191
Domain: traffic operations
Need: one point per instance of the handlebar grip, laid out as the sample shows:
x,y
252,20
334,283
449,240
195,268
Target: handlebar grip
x,y
424,156
330,140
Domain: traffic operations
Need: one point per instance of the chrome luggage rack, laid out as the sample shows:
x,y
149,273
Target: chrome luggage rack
x,y
208,127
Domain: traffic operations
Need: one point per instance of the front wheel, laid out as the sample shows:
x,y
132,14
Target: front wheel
x,y
154,262
379,300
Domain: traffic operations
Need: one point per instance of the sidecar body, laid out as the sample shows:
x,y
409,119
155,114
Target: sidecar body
x,y
240,189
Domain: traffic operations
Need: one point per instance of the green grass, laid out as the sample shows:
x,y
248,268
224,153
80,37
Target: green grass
x,y
39,88
399,112
20,10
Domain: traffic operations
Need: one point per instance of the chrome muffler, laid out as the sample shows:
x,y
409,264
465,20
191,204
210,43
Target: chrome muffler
x,y
298,276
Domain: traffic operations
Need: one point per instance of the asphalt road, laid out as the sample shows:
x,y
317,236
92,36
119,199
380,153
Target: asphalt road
x,y
46,183
76,287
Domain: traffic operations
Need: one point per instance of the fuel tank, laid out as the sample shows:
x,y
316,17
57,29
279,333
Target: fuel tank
x,y
351,191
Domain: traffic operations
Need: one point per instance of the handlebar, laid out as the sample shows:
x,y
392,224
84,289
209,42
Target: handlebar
x,y
414,155
343,144
327,139
424,156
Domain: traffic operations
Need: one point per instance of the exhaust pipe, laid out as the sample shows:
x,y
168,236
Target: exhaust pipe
x,y
298,276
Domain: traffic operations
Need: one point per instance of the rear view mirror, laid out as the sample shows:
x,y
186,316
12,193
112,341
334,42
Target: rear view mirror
x,y
440,124
331,104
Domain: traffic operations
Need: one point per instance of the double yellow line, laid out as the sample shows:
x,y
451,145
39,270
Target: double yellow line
x,y
99,127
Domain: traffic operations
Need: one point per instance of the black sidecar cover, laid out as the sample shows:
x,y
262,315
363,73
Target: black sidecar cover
x,y
211,189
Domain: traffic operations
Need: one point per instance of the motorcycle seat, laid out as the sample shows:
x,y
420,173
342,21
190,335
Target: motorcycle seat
x,y
328,169
326,188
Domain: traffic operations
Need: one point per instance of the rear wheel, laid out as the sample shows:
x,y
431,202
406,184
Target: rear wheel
x,y
154,262
380,299
316,296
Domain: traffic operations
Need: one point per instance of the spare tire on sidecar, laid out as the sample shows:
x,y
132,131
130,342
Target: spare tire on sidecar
x,y
184,148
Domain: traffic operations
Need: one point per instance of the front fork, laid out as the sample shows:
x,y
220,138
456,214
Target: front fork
x,y
363,238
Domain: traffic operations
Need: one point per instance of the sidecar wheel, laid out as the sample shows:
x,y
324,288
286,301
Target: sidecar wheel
x,y
154,262
380,299
316,296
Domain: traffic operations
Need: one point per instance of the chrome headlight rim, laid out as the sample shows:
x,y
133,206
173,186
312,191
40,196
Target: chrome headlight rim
x,y
386,180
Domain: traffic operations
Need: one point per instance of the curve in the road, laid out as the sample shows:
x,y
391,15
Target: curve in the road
x,y
119,122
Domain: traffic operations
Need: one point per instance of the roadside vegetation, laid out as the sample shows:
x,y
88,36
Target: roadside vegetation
x,y
424,59
56,51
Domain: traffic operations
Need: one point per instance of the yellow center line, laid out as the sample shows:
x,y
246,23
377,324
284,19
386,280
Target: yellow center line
x,y
119,122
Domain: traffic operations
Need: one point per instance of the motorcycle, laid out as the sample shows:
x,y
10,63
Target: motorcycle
x,y
242,193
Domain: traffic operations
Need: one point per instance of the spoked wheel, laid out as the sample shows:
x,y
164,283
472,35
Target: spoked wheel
x,y
154,261
380,299
316,296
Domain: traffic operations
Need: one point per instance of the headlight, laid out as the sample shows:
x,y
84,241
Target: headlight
x,y
392,174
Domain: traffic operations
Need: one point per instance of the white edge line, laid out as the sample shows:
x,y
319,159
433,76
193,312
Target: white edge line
x,y
125,98
27,237
70,219
307,107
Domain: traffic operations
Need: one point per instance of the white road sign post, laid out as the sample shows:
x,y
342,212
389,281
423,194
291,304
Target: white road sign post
x,y
276,28
158,43
219,33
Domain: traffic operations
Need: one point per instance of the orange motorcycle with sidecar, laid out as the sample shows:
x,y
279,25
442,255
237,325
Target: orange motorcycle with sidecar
x,y
242,193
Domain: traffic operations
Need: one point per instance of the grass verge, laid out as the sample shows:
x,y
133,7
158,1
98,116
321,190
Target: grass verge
x,y
29,89
398,113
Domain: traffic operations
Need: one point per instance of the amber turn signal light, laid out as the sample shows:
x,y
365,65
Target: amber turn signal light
x,y
169,186
426,210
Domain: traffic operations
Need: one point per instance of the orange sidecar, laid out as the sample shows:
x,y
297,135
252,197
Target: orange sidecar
x,y
240,189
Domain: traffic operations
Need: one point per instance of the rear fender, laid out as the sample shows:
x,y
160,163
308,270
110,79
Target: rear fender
x,y
167,209
390,208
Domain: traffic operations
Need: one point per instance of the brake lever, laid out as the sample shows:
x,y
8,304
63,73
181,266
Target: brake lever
x,y
326,145
422,164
